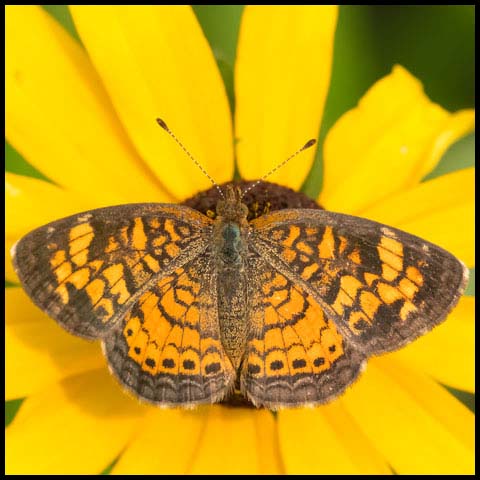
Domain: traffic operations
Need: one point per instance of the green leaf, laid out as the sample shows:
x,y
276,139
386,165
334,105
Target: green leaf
x,y
434,42
460,155
15,163
11,409
110,467
470,290
62,14
467,398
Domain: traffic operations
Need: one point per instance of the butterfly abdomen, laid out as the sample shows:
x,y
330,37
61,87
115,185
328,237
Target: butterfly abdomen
x,y
232,314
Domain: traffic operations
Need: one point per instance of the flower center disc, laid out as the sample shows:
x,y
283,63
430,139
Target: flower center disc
x,y
263,198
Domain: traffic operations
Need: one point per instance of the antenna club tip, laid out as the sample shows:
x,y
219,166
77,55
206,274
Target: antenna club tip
x,y
162,124
309,144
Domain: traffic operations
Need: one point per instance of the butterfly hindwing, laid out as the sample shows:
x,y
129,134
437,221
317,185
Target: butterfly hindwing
x,y
382,287
167,349
86,270
295,354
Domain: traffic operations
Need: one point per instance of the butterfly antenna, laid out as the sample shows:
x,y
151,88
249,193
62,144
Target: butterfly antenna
x,y
180,144
309,144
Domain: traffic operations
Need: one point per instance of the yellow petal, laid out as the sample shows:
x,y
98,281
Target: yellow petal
x,y
152,453
452,229
326,440
165,443
440,211
31,203
415,423
59,117
269,457
438,194
76,427
447,353
39,352
231,443
156,62
282,74
387,144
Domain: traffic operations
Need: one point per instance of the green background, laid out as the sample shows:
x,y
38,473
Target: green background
x,y
435,43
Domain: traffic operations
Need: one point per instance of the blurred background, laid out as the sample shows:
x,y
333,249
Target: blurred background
x,y
435,43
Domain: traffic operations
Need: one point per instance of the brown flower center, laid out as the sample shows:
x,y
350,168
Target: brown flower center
x,y
264,198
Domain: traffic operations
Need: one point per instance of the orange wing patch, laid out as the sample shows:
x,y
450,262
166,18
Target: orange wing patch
x,y
90,266
295,350
296,336
381,286
169,334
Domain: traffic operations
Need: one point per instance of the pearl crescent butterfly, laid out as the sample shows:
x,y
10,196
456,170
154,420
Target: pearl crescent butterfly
x,y
286,307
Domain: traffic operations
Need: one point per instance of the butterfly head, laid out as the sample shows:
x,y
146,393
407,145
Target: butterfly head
x,y
231,209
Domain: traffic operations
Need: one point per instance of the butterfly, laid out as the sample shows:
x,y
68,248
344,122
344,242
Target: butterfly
x,y
286,308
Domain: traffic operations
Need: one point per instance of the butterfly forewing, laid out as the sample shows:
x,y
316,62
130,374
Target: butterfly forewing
x,y
87,270
382,287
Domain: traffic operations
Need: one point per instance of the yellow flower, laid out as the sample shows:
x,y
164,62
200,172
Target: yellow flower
x,y
85,118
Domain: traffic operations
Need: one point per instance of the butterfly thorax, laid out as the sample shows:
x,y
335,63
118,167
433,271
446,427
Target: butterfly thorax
x,y
230,251
231,209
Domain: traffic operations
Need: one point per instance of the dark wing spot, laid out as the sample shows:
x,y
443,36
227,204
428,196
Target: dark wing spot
x,y
276,365
332,348
299,363
212,368
101,311
129,332
150,362
137,350
319,361
168,363
361,324
252,368
188,364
